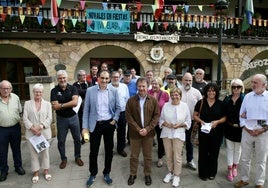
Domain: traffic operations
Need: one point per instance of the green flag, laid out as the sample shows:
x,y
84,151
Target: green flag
x,y
249,11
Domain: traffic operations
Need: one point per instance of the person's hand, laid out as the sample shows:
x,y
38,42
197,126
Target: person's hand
x,y
214,124
35,131
113,122
243,115
143,132
84,131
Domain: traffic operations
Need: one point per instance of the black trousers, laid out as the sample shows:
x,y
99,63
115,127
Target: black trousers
x,y
106,130
160,145
121,132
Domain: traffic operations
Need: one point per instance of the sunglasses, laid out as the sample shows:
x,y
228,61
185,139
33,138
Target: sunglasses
x,y
236,87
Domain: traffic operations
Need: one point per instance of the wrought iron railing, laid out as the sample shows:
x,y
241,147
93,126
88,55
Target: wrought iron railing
x,y
168,23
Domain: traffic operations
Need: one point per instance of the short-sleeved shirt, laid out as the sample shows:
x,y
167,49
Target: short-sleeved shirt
x,y
64,96
10,112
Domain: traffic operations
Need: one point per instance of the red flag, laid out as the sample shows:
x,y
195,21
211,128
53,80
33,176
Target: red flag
x,y
54,13
43,2
159,8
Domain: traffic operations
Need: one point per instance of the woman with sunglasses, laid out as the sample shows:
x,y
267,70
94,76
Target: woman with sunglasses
x,y
233,131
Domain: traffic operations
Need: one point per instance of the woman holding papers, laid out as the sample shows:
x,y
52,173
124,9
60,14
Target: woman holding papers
x,y
174,120
37,118
212,114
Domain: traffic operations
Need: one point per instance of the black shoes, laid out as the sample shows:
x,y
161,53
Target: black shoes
x,y
122,153
131,180
20,170
3,176
148,180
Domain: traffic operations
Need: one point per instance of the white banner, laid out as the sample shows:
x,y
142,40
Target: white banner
x,y
140,37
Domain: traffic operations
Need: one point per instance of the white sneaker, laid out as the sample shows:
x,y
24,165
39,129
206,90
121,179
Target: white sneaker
x,y
191,165
176,181
168,178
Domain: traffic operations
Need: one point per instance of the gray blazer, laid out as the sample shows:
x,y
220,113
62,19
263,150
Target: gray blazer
x,y
90,106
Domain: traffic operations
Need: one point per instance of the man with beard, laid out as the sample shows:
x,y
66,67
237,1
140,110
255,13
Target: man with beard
x,y
190,96
199,82
63,98
121,124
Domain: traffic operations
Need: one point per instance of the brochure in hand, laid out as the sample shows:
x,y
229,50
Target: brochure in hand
x,y
205,128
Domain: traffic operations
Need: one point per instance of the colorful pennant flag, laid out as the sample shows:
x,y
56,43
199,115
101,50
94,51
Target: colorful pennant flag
x,y
104,22
82,3
43,2
22,18
200,7
54,13
40,19
74,21
123,5
139,24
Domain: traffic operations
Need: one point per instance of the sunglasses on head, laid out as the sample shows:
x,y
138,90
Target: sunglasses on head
x,y
236,87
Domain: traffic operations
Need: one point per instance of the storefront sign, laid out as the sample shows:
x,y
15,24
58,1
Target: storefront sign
x,y
140,37
257,63
108,21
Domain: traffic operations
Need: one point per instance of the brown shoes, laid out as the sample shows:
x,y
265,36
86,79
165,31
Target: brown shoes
x,y
63,164
131,179
79,162
258,186
240,184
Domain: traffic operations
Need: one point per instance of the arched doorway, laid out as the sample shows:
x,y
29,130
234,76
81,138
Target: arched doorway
x,y
116,57
16,63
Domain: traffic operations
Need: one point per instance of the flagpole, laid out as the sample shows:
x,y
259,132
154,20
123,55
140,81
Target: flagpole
x,y
220,6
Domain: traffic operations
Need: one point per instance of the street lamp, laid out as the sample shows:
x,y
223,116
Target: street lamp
x,y
220,7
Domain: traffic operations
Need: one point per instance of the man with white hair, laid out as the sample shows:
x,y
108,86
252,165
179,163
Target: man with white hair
x,y
199,82
63,98
10,130
190,96
254,120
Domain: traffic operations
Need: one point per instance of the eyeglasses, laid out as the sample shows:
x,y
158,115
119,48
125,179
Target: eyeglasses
x,y
236,87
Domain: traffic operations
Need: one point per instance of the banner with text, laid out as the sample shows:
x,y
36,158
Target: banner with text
x,y
108,21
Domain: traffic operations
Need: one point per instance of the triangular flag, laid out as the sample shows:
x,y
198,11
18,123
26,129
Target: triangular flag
x,y
174,7
151,24
206,24
54,13
58,3
178,25
104,6
123,5
40,19
74,21
154,8
3,16
22,18
82,3
43,2
200,7
186,7
21,1
104,22
165,25
139,7
120,23
139,24
191,24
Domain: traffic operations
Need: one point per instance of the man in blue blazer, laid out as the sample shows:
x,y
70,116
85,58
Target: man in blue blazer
x,y
101,113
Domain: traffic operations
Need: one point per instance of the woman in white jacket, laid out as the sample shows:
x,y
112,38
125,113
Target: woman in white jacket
x,y
174,120
37,118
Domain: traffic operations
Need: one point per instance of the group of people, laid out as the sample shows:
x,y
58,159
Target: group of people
x,y
109,101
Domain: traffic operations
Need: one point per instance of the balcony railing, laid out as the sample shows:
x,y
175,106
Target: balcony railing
x,y
168,23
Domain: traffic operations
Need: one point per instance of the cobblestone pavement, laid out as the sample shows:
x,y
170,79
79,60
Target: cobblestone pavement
x,y
74,176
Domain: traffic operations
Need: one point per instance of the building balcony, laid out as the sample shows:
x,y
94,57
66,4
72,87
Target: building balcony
x,y
190,28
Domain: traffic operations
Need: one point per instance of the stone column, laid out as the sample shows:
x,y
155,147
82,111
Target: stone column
x,y
48,83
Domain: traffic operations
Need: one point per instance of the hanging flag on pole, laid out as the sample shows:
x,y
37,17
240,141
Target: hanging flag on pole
x,y
249,11
159,5
54,13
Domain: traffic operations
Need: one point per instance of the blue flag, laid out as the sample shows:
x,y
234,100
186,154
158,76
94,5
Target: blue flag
x,y
249,11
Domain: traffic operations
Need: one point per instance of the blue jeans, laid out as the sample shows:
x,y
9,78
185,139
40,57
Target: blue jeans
x,y
189,145
10,135
63,125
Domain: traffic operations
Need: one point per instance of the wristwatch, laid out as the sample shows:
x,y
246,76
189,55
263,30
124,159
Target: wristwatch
x,y
62,105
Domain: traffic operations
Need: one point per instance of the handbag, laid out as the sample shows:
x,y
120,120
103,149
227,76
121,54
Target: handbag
x,y
194,133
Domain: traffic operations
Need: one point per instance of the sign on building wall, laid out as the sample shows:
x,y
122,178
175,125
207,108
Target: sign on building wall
x,y
108,21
